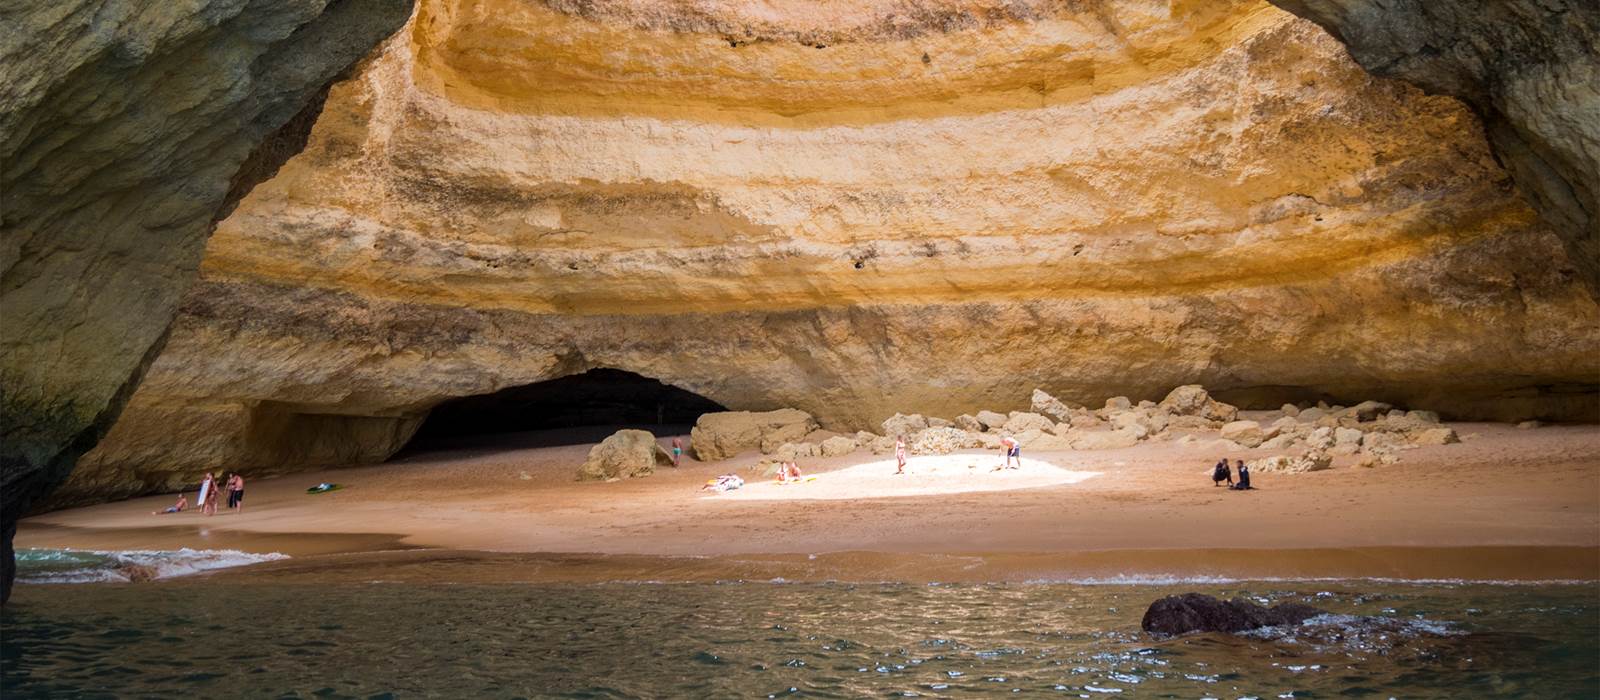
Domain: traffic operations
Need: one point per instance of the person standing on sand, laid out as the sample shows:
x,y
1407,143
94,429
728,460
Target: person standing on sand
x,y
1013,450
236,492
677,450
207,485
900,454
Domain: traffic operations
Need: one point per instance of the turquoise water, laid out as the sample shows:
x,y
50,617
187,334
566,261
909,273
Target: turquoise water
x,y
347,640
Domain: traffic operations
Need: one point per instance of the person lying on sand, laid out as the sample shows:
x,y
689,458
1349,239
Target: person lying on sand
x,y
1013,450
1244,477
1221,473
900,454
183,502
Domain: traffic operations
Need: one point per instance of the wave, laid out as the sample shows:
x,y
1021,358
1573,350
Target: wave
x,y
1179,580
99,566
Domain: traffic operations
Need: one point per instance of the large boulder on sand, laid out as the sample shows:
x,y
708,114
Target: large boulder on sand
x,y
724,434
1368,411
1193,400
902,425
1105,439
1435,436
1021,421
1050,405
837,446
968,423
992,420
1196,612
1244,432
624,455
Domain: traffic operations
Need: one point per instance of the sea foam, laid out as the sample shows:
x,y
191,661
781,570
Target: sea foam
x,y
99,566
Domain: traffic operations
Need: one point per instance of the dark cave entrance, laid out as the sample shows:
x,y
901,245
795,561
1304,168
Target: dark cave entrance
x,y
580,408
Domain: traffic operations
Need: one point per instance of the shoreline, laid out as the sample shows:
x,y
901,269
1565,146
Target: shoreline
x,y
1505,504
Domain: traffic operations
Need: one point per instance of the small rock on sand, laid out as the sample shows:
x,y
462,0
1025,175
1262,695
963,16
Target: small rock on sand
x,y
1435,436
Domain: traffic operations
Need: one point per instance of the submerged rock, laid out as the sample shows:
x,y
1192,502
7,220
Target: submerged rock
x,y
1197,612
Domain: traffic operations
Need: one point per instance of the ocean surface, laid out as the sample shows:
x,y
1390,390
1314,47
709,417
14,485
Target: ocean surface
x,y
202,636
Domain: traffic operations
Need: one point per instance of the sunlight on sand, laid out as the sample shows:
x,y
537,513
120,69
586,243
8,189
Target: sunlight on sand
x,y
925,476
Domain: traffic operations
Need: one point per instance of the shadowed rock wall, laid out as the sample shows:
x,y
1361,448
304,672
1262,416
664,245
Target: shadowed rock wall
x,y
126,128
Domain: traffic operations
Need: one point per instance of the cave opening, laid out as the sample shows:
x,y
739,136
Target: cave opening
x,y
576,409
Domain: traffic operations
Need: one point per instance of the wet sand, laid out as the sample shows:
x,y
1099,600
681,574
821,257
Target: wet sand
x,y
1504,504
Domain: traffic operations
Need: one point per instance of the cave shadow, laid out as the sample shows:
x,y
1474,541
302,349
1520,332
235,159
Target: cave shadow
x,y
577,409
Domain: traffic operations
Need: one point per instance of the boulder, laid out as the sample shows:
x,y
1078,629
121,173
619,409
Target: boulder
x,y
1282,442
991,420
1244,432
1435,436
1423,416
837,446
940,423
1346,436
1311,461
1047,442
1050,405
939,441
968,423
624,455
1312,415
1087,421
1193,400
1020,421
1195,612
1104,439
1290,410
724,434
1320,438
1368,411
1528,425
1114,404
901,425
1286,424
790,451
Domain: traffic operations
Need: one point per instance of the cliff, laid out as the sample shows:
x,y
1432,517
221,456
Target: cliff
x,y
855,208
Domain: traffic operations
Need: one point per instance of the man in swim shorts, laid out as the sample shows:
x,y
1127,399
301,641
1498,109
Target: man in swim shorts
x,y
677,450
236,492
1013,450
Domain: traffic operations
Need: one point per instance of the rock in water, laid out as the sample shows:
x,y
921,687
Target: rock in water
x,y
1197,612
624,455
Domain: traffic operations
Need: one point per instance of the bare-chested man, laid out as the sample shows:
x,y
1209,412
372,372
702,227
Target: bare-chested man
x,y
1013,450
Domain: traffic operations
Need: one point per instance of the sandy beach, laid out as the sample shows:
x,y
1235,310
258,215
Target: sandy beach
x,y
1533,494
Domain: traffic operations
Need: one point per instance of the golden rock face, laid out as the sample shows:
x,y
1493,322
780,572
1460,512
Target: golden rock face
x,y
856,208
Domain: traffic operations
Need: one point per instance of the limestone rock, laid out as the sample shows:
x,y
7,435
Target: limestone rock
x,y
1320,438
1290,410
1244,432
938,441
1423,416
1311,461
968,423
1347,436
901,425
1195,612
1051,406
126,131
1020,421
626,454
940,423
1312,415
1193,400
790,451
1048,442
722,435
1368,411
1436,436
992,420
1529,425
1115,405
1281,442
837,447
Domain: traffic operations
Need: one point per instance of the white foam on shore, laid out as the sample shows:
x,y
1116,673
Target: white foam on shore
x,y
926,475
101,566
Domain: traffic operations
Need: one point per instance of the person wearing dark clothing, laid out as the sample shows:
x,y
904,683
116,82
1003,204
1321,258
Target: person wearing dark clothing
x,y
1244,478
1221,473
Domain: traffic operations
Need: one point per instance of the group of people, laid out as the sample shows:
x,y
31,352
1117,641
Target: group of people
x,y
1222,473
1008,446
210,493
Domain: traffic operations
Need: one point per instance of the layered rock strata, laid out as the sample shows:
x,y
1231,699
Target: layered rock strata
x,y
126,130
1529,68
854,210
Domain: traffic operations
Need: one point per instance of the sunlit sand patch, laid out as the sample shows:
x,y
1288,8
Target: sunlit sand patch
x,y
925,476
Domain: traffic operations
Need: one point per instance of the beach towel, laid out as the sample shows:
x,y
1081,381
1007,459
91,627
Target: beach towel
x,y
724,483
324,487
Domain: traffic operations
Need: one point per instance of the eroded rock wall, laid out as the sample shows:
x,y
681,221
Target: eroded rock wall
x,y
126,128
855,209
1530,68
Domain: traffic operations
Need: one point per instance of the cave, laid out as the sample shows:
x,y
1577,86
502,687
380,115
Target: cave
x,y
575,409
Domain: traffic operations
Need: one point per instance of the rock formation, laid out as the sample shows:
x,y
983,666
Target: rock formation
x,y
1529,68
126,131
626,454
1197,612
861,212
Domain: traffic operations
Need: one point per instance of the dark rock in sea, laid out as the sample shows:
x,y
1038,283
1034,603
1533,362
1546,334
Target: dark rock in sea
x,y
1196,612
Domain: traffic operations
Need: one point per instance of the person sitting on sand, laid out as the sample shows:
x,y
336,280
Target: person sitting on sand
x,y
183,502
1221,473
1244,477
1013,450
787,472
677,450
900,454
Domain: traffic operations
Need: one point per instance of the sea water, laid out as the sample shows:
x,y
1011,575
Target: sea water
x,y
242,638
